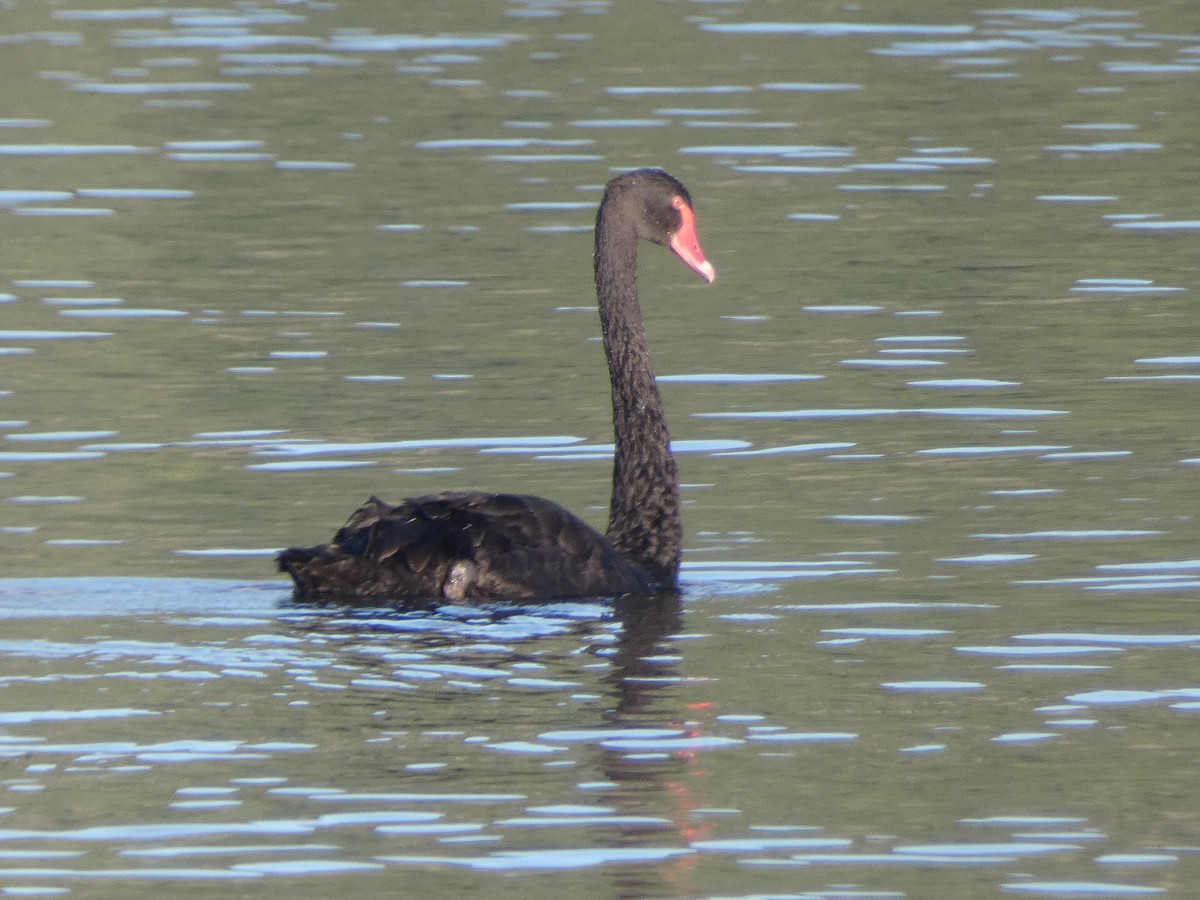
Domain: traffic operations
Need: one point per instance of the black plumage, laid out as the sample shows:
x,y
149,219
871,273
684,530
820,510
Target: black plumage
x,y
464,546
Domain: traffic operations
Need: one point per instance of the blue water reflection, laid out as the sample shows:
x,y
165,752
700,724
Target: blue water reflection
x,y
955,253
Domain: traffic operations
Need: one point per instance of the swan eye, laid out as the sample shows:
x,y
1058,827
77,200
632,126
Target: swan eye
x,y
679,205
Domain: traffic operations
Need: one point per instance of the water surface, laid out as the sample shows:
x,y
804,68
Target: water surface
x,y
936,426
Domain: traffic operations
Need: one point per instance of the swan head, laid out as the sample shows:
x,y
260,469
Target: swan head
x,y
662,210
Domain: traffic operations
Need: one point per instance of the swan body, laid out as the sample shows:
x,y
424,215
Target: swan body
x,y
472,546
462,546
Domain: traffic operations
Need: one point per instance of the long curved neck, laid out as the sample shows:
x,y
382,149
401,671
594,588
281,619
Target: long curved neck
x,y
643,520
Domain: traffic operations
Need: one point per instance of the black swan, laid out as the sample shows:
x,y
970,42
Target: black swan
x,y
471,546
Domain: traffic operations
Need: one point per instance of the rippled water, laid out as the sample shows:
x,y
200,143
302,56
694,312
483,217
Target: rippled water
x,y
936,424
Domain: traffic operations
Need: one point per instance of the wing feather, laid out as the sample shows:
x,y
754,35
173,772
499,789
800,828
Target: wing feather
x,y
462,546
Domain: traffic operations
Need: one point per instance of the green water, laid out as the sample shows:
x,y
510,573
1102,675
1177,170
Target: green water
x,y
976,229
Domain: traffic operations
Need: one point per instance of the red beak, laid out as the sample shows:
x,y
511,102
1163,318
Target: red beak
x,y
686,245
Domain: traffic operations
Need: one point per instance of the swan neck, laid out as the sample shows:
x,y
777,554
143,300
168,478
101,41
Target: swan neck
x,y
644,521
